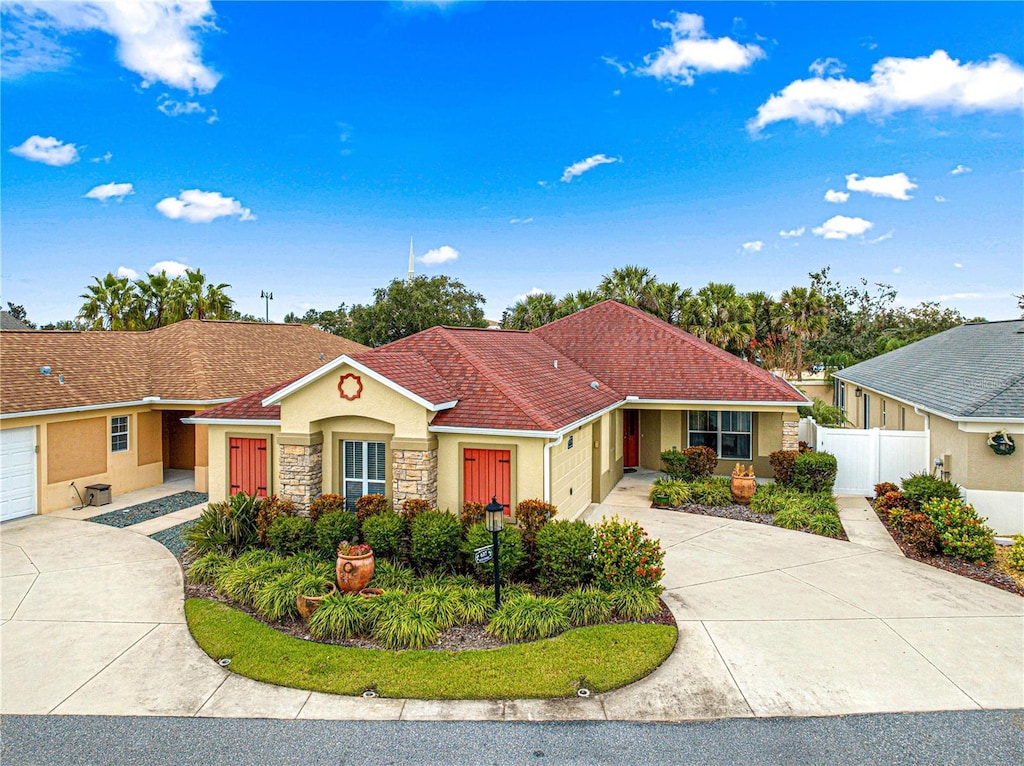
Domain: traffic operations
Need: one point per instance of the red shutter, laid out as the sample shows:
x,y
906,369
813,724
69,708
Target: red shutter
x,y
248,466
487,473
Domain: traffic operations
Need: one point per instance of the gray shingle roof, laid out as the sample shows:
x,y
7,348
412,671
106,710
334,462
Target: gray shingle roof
x,y
971,371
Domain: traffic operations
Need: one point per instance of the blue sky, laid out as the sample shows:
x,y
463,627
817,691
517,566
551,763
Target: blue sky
x,y
296,147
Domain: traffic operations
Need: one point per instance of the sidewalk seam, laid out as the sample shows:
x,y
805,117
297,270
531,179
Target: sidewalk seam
x,y
728,670
14,614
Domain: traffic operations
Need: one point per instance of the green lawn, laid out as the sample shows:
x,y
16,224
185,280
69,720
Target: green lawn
x,y
607,656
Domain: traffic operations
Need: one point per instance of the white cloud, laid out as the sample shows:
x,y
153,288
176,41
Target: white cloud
x,y
752,247
197,206
581,167
105,192
897,84
173,268
693,52
836,196
898,270
887,235
156,39
105,158
524,296
827,66
438,255
893,186
173,108
959,170
940,198
613,63
48,151
958,265
520,220
792,232
616,92
213,117
960,296
842,227
124,271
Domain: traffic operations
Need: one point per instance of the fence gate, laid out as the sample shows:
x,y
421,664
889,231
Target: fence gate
x,y
869,456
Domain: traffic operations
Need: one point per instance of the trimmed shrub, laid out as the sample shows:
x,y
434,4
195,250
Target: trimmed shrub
x,y
814,472
329,503
385,533
332,528
825,524
676,490
371,505
782,462
770,498
392,577
673,462
339,616
413,507
511,553
228,527
962,533
528,619
700,461
1015,556
712,491
919,488
472,513
919,533
885,487
792,516
635,603
586,606
291,534
204,570
436,541
406,627
531,515
624,555
270,509
564,555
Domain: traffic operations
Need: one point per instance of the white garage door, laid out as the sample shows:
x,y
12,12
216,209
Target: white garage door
x,y
17,472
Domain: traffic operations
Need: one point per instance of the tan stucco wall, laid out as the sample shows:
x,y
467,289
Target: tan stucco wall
x,y
571,473
218,473
76,448
971,463
815,389
606,464
893,407
150,438
527,466
202,458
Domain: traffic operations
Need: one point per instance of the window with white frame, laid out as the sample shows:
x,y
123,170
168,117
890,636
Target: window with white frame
x,y
841,396
364,470
727,433
119,433
884,418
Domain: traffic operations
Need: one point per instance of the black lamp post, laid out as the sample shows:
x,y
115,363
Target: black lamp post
x,y
495,523
268,297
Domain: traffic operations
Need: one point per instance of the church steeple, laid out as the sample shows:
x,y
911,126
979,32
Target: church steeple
x,y
412,262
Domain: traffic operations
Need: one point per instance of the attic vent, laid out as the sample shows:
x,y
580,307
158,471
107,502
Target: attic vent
x,y
594,385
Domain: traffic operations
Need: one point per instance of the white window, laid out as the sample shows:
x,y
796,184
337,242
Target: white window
x,y
841,397
883,414
364,470
119,433
727,433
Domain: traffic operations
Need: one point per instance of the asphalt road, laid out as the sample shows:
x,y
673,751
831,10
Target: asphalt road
x,y
977,738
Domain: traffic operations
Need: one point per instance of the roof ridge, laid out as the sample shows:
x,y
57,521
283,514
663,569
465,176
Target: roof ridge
x,y
1010,382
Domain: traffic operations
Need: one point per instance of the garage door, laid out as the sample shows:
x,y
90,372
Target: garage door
x,y
17,473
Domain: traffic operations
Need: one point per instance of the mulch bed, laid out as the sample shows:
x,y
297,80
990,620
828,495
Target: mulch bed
x,y
990,575
134,514
735,512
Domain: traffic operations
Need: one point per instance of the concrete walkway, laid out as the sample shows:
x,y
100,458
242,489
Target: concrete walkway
x,y
772,623
863,526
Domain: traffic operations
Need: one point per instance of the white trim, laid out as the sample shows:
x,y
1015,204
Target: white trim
x,y
717,404
987,426
111,406
533,434
229,422
334,364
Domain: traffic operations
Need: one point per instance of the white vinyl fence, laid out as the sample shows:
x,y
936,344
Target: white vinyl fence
x,y
869,456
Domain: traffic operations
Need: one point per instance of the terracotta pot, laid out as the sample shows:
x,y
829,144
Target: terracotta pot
x,y
354,572
743,485
309,604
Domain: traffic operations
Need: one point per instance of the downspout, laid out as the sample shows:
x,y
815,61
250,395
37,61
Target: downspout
x,y
547,466
927,430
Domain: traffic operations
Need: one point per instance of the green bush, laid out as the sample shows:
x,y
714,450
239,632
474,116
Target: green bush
x,y
528,619
586,606
792,516
565,552
510,551
338,617
1015,556
270,509
204,570
962,533
406,627
624,555
771,498
390,576
713,491
700,461
371,505
334,527
329,503
814,472
782,462
472,513
818,502
413,507
919,488
635,603
823,414
825,524
436,541
291,534
228,527
441,604
531,516
676,490
385,533
673,462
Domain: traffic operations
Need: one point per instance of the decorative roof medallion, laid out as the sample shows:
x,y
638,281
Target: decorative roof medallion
x,y
350,387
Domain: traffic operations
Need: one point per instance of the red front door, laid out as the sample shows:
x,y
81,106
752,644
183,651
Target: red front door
x,y
248,466
487,473
630,438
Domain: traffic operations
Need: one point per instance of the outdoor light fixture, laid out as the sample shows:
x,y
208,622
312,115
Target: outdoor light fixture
x,y
857,392
495,523
267,297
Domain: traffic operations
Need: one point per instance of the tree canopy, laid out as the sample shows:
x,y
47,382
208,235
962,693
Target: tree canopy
x,y
119,303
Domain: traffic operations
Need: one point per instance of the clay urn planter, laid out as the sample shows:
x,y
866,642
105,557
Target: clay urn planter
x,y
743,484
355,567
309,604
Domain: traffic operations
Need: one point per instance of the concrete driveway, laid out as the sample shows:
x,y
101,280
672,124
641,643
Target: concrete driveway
x,y
771,622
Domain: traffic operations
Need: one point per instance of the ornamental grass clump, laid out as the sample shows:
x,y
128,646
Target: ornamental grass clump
x,y
340,616
825,524
228,527
771,498
441,604
389,576
635,603
676,490
819,503
528,619
962,533
243,580
405,627
474,606
714,491
204,570
586,606
792,516
624,555
275,600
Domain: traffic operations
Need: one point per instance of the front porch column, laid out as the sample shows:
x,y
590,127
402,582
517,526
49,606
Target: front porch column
x,y
301,468
790,434
414,471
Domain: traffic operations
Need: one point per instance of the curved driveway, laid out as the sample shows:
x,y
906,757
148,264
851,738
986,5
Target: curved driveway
x,y
771,623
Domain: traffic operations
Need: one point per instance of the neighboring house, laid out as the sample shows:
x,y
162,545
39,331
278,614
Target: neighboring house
x,y
452,415
9,322
960,386
106,407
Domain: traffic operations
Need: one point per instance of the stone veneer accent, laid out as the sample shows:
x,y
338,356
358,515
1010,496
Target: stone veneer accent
x,y
301,473
414,475
790,434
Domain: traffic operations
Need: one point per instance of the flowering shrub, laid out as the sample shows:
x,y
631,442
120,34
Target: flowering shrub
x,y
961,531
1015,557
700,461
345,548
531,515
625,556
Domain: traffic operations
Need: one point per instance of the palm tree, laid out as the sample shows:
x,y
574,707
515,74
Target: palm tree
x,y
154,293
720,315
806,319
577,301
110,303
771,339
192,298
532,311
632,285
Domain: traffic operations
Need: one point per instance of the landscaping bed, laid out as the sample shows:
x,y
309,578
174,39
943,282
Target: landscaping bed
x,y
173,538
737,513
135,514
